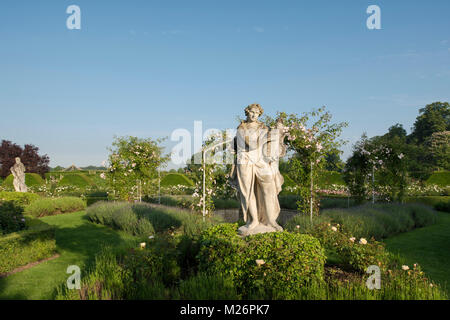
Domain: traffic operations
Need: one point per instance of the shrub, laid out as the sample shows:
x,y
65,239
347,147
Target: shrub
x,y
359,256
21,198
272,264
49,206
20,248
443,206
11,217
221,250
161,219
125,219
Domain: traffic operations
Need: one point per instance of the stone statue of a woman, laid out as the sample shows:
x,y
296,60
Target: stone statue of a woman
x,y
18,172
255,172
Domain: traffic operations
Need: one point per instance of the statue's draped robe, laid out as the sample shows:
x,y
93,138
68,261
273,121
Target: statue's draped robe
x,y
18,171
256,173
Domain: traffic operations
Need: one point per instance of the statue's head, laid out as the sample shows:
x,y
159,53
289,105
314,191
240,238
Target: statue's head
x,y
253,111
17,160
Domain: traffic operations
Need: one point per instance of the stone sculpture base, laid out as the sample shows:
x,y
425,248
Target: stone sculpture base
x,y
261,228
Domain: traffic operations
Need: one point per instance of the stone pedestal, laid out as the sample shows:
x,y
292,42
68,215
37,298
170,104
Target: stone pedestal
x,y
261,228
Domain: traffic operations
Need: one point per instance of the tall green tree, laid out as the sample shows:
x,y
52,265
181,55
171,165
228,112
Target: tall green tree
x,y
439,148
435,117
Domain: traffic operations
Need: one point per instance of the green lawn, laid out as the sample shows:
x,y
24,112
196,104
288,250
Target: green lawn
x,y
429,247
77,242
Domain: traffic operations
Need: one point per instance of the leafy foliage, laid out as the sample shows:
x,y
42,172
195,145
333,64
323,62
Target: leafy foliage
x,y
134,164
435,117
11,217
376,165
273,264
310,147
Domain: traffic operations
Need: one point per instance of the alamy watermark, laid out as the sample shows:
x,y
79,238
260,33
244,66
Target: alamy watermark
x,y
374,20
74,281
374,280
73,22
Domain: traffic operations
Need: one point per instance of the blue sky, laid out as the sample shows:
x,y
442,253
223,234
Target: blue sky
x,y
145,68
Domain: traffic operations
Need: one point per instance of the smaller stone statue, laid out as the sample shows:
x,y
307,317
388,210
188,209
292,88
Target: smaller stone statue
x,y
18,171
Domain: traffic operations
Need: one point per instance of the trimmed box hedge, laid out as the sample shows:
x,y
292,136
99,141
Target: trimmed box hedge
x,y
20,248
273,265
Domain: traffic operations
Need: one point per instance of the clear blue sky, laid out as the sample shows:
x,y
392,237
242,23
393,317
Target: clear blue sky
x,y
145,68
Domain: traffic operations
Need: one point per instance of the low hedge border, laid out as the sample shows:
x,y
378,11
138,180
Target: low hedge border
x,y
20,248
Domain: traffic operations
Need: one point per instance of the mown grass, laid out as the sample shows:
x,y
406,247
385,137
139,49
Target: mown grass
x,y
428,246
78,241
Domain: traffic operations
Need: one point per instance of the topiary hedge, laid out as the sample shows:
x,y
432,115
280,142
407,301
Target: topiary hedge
x,y
75,179
274,265
440,178
20,248
173,179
